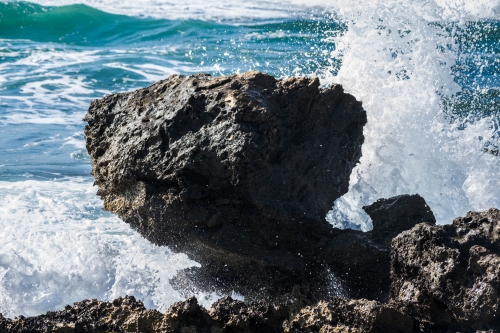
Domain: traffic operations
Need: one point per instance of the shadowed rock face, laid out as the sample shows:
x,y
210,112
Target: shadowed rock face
x,y
239,172
361,260
397,214
234,171
449,276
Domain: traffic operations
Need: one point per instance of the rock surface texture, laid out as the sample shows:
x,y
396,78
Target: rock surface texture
x,y
448,276
445,280
225,316
397,214
361,260
341,315
239,172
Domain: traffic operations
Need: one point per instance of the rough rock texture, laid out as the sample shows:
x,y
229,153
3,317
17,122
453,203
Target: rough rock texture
x,y
238,172
445,280
341,315
448,277
355,264
397,214
246,165
121,315
361,261
225,316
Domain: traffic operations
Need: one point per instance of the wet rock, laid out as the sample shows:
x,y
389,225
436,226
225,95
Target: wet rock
x,y
225,316
122,315
394,215
361,261
235,316
340,315
245,165
448,277
238,171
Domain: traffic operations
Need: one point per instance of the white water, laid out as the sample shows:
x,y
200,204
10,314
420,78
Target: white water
x,y
217,10
58,247
398,65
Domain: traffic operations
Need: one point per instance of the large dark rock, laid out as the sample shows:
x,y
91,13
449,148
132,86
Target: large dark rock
x,y
237,172
361,260
448,277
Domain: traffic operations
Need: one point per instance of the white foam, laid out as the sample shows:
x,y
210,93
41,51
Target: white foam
x,y
399,64
244,11
47,86
39,116
58,248
76,139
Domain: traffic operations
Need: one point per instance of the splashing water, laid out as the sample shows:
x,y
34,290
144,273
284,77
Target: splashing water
x,y
425,72
398,58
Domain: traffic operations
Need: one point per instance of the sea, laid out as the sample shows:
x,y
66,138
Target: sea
x,y
427,73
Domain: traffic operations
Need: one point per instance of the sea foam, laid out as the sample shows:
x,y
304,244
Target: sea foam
x,y
397,58
59,247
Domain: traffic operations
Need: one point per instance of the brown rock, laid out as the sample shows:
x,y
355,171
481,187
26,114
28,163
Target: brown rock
x,y
342,315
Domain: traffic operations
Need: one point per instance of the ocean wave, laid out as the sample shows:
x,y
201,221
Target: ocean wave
x,y
59,247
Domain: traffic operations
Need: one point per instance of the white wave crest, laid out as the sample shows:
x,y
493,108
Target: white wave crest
x,y
397,59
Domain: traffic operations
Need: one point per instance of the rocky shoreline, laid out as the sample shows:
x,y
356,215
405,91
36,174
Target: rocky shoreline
x,y
455,290
238,172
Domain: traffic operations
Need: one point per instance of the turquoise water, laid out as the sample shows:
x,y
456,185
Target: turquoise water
x,y
427,74
54,60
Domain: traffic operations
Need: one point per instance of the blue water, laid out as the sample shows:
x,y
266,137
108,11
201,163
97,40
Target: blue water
x,y
418,77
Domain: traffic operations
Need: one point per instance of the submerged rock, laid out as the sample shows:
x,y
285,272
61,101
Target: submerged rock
x,y
448,276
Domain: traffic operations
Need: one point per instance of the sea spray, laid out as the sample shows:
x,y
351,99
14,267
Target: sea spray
x,y
58,245
398,58
47,260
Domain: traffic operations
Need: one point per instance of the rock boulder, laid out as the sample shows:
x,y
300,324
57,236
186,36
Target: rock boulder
x,y
448,276
239,172
235,171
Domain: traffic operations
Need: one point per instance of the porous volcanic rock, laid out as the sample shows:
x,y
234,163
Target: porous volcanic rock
x,y
237,171
448,277
341,315
361,260
121,315
127,315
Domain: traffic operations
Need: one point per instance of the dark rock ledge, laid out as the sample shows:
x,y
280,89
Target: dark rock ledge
x,y
445,279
